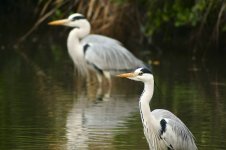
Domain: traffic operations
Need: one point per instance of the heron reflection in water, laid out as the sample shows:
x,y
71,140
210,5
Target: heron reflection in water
x,y
103,55
94,124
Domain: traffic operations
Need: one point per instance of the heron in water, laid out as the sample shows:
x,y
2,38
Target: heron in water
x,y
162,129
103,55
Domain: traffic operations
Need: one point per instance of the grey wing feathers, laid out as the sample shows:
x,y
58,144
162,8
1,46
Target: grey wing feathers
x,y
184,137
109,55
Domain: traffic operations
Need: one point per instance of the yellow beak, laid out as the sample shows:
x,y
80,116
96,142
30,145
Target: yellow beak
x,y
58,22
126,75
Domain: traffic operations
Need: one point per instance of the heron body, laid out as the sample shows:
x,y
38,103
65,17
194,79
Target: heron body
x,y
104,55
163,130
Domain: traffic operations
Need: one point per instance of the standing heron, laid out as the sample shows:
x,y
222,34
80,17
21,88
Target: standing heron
x,y
104,55
162,129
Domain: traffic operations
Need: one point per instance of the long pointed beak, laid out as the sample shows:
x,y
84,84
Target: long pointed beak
x,y
58,22
126,75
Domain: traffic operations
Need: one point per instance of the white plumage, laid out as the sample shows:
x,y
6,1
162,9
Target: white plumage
x,y
163,130
104,55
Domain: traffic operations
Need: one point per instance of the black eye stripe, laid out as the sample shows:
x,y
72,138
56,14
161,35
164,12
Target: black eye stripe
x,y
77,18
145,70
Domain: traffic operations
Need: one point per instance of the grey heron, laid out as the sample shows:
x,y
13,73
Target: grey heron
x,y
162,129
104,55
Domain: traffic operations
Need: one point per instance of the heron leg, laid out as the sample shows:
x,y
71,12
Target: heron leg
x,y
108,77
99,78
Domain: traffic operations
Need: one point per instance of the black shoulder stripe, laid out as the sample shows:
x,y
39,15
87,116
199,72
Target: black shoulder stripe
x,y
85,47
163,126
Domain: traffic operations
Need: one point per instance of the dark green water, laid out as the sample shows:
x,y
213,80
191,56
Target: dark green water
x,y
44,105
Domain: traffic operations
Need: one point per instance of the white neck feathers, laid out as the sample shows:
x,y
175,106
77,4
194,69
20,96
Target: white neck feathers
x,y
145,100
147,118
75,50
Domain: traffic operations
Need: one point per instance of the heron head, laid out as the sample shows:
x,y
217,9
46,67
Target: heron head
x,y
140,74
75,20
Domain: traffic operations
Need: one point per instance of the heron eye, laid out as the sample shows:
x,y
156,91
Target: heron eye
x,y
140,74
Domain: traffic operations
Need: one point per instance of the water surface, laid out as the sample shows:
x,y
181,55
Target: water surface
x,y
45,105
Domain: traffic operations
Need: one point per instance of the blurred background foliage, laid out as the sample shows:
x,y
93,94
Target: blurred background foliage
x,y
195,26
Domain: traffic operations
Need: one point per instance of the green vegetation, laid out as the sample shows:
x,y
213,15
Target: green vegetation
x,y
198,20
196,24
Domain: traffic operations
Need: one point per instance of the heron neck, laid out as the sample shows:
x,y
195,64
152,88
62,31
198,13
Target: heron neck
x,y
148,120
75,51
73,37
80,32
73,43
145,99
147,93
77,34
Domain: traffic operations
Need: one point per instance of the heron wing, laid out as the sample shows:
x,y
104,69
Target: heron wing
x,y
173,131
108,54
